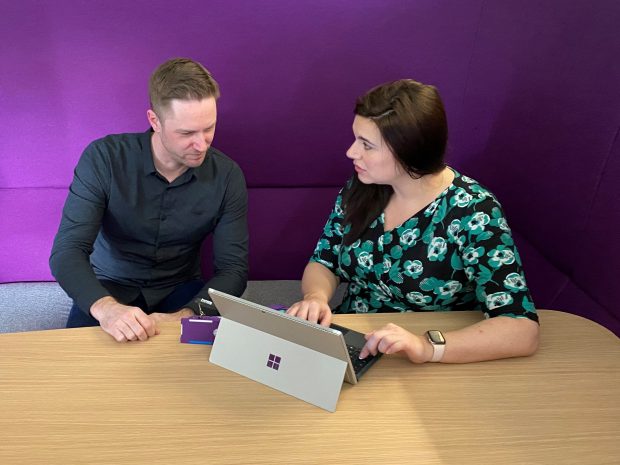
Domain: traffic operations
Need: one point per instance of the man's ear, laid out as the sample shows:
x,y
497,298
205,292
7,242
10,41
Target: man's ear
x,y
153,120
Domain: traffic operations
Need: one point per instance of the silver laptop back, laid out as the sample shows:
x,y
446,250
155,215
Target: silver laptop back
x,y
286,353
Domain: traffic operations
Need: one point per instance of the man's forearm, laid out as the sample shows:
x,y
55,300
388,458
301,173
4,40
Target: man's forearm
x,y
231,282
75,275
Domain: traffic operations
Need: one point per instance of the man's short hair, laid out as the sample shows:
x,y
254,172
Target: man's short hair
x,y
182,79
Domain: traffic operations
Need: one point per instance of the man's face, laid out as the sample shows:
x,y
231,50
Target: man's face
x,y
185,131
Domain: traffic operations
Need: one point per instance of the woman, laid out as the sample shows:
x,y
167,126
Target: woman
x,y
408,233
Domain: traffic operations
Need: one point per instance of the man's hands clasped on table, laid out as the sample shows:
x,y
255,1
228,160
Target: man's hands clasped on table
x,y
122,322
126,323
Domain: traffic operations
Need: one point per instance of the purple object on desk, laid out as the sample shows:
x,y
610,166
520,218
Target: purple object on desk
x,y
280,308
199,329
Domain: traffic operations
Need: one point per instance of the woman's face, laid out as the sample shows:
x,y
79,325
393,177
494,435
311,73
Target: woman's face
x,y
372,158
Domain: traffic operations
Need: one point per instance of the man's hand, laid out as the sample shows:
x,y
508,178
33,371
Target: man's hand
x,y
122,322
176,316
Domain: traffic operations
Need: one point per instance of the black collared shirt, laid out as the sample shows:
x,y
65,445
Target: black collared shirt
x,y
125,224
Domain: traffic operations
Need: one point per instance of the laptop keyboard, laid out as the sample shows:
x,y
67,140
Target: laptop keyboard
x,y
358,364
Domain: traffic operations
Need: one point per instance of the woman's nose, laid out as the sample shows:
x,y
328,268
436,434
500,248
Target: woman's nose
x,y
352,153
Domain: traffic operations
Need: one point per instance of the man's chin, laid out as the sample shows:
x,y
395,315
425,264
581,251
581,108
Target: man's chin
x,y
194,162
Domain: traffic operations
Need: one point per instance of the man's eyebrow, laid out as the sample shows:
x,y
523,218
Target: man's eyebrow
x,y
189,131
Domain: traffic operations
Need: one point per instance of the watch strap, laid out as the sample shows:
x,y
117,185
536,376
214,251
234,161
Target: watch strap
x,y
438,350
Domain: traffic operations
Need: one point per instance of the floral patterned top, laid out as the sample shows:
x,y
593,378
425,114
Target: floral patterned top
x,y
455,254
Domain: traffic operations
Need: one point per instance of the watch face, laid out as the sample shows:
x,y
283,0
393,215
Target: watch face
x,y
436,337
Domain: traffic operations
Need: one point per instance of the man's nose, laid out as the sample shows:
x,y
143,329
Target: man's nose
x,y
201,143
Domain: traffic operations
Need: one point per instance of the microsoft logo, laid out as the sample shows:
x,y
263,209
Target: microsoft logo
x,y
274,361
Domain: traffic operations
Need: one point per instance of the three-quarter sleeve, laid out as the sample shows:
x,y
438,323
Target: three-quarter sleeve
x,y
491,260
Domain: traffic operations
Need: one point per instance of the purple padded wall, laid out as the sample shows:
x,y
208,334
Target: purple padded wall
x,y
530,90
543,93
289,73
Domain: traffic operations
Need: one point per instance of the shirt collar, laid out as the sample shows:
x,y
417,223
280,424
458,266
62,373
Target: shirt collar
x,y
147,152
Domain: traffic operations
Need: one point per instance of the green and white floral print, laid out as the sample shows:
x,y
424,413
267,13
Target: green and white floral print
x,y
456,254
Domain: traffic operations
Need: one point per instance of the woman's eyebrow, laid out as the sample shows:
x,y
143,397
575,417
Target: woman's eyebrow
x,y
363,139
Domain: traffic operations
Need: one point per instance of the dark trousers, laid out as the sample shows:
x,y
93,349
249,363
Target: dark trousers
x,y
177,299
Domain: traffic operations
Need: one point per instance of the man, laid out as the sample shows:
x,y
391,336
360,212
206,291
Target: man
x,y
139,207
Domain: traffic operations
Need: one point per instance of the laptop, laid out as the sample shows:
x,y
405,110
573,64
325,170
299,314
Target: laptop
x,y
292,355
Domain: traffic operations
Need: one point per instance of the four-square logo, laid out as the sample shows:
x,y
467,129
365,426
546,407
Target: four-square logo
x,y
274,361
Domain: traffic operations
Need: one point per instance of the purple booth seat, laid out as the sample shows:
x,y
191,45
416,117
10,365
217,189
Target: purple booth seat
x,y
29,221
284,226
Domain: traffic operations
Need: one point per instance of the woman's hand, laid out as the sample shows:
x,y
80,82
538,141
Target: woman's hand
x,y
391,339
313,309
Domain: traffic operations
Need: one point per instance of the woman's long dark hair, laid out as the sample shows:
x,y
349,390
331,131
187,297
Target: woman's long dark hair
x,y
412,122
